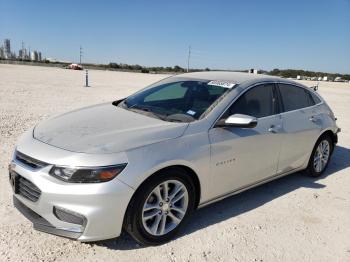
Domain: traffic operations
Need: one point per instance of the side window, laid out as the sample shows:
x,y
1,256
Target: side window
x,y
315,98
294,97
172,91
257,102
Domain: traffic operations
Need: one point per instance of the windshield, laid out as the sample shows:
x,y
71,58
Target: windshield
x,y
177,99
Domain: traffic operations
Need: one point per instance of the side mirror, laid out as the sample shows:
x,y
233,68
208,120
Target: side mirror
x,y
238,120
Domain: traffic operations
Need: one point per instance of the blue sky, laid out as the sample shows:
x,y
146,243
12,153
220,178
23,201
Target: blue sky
x,y
312,35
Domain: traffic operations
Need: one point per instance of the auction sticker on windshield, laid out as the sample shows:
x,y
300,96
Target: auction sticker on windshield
x,y
226,84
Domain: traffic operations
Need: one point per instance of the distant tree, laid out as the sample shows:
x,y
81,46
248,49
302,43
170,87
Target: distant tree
x,y
345,77
275,72
178,69
113,65
137,67
262,72
207,69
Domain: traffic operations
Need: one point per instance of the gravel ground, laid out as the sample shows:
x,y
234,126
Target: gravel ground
x,y
295,218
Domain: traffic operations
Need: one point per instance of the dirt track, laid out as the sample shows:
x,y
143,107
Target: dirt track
x,y
293,219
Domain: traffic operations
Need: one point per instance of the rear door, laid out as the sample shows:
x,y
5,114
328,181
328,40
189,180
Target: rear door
x,y
244,156
301,125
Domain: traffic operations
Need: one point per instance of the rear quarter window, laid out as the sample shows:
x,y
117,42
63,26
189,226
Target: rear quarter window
x,y
315,98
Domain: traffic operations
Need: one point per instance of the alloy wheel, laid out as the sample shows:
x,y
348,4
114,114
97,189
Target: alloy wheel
x,y
165,207
321,156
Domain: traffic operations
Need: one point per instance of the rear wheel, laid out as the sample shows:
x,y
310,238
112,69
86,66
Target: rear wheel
x,y
160,207
320,156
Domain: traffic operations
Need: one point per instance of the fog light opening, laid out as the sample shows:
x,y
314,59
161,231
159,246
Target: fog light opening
x,y
69,216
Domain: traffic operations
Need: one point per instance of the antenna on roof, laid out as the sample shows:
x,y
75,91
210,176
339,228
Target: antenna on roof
x,y
315,88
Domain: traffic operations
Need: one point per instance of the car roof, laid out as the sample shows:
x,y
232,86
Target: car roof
x,y
237,77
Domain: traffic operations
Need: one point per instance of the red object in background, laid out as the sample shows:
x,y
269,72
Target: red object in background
x,y
75,67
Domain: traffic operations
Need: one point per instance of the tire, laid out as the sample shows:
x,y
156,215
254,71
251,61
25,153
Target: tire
x,y
316,170
149,206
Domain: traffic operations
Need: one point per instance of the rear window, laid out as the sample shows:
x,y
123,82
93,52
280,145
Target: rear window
x,y
294,97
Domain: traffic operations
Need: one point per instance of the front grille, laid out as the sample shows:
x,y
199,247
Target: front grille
x,y
29,161
27,189
30,214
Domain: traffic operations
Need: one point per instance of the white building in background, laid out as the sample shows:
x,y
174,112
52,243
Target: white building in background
x,y
253,71
7,49
22,54
34,56
325,78
52,60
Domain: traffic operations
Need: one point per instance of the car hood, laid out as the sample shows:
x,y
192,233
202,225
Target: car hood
x,y
105,129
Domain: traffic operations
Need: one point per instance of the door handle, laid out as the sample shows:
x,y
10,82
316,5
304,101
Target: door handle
x,y
313,119
272,129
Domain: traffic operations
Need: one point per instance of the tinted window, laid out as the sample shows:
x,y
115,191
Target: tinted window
x,y
294,97
257,102
172,91
175,99
315,98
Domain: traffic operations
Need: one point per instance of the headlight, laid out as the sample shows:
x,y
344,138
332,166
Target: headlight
x,y
86,175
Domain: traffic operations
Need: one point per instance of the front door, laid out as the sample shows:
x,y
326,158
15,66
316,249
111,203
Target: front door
x,y
243,156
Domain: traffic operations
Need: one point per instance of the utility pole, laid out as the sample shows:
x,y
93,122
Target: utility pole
x,y
81,54
188,58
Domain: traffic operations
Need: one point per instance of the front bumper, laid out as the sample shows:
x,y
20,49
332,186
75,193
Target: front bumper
x,y
102,205
41,224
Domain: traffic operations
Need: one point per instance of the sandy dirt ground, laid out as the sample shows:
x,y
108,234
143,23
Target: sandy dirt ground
x,y
295,218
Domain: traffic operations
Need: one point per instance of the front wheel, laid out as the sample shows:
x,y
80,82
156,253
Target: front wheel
x,y
160,207
320,156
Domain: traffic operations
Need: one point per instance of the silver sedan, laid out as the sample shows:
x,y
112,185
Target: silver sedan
x,y
146,162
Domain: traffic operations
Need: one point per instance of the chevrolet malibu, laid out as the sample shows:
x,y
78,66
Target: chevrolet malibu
x,y
146,162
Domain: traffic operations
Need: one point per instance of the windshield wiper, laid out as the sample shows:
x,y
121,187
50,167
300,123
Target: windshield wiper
x,y
138,106
146,109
